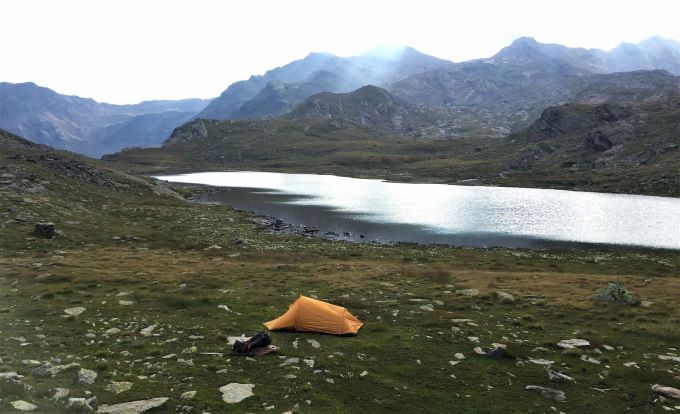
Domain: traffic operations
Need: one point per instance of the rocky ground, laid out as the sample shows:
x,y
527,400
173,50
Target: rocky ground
x,y
130,304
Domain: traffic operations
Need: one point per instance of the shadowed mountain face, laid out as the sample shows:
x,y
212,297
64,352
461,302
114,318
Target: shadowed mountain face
x,y
375,108
516,84
86,126
318,72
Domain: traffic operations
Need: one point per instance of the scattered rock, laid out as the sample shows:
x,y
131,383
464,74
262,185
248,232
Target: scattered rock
x,y
458,355
668,392
504,297
132,407
112,331
427,308
225,307
22,405
556,395
542,361
468,292
235,392
615,293
148,330
74,311
669,358
555,376
573,343
188,395
86,376
125,302
60,393
314,343
45,230
592,360
119,387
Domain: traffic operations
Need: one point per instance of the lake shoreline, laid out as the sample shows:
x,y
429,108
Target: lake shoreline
x,y
276,225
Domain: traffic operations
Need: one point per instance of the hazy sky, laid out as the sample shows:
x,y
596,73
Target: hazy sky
x,y
125,51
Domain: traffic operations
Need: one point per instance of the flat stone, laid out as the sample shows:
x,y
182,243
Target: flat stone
x,y
541,361
86,376
556,395
74,311
148,330
60,393
314,343
132,407
119,387
504,297
666,391
125,302
188,395
592,360
468,292
235,392
573,343
22,405
555,376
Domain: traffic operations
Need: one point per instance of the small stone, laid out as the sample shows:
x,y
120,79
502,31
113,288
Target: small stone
x,y
112,331
555,376
148,330
314,343
22,405
548,392
119,387
458,355
504,297
74,311
234,392
542,361
573,343
427,308
125,302
86,376
188,395
363,374
45,230
60,393
592,360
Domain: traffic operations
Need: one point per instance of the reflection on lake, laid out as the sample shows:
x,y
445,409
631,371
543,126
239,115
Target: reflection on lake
x,y
438,213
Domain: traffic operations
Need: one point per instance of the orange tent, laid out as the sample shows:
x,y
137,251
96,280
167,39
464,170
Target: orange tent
x,y
312,315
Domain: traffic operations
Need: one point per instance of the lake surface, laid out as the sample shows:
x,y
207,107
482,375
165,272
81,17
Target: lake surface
x,y
439,213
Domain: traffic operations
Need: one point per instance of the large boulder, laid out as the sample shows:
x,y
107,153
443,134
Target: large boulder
x,y
616,293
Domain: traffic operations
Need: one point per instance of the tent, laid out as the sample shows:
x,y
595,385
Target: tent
x,y
312,315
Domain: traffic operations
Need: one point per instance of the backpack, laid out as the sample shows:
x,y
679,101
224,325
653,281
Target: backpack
x,y
259,340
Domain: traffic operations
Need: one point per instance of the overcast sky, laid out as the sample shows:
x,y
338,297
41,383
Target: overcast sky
x,y
125,51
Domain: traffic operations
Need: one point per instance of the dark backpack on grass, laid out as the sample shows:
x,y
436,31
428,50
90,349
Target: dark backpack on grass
x,y
259,340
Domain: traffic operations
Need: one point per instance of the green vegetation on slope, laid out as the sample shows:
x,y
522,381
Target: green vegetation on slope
x,y
644,162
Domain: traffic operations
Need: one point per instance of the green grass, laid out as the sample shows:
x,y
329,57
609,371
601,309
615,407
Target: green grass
x,y
162,243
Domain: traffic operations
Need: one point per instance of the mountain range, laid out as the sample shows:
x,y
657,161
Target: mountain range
x,y
410,94
86,126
